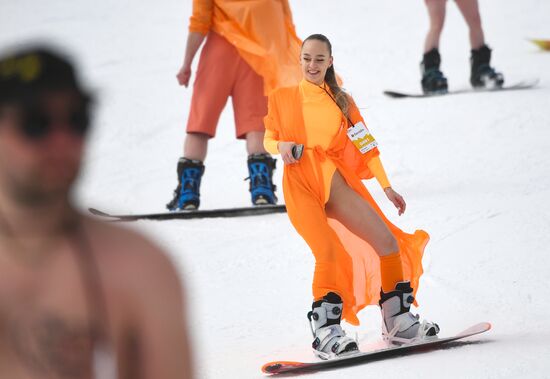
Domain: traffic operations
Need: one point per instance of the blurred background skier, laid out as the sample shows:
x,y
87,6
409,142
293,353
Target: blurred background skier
x,y
481,73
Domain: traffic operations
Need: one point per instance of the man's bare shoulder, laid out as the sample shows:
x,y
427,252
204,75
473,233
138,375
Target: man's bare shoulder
x,y
128,256
144,297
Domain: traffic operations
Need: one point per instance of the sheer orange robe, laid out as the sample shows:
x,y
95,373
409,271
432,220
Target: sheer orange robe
x,y
345,264
262,31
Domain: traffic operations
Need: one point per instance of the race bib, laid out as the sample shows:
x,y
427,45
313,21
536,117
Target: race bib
x,y
361,138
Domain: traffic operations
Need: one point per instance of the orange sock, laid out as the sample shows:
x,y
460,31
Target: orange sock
x,y
391,271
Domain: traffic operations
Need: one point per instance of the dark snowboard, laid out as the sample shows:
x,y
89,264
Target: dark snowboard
x,y
526,84
184,215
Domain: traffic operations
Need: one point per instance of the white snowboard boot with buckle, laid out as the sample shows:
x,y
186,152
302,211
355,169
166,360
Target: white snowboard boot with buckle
x,y
330,340
399,325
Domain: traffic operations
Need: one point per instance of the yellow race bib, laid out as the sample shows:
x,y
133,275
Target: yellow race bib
x,y
361,138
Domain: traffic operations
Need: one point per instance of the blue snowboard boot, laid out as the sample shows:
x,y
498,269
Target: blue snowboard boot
x,y
187,193
260,169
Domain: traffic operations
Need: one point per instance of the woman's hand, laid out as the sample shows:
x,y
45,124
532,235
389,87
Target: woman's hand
x,y
184,74
285,149
396,199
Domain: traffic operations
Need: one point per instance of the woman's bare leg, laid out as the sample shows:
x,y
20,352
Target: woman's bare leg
x,y
346,206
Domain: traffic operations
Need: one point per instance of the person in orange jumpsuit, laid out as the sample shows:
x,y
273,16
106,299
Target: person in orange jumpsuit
x,y
357,249
257,43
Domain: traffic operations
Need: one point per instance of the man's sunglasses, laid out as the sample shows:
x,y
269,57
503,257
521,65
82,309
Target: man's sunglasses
x,y
37,124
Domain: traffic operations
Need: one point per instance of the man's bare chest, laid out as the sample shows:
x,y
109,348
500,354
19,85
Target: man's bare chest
x,y
47,325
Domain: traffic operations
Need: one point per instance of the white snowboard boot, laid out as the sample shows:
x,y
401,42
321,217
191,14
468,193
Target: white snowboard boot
x,y
330,340
399,325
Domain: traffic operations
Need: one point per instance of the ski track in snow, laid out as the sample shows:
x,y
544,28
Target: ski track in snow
x,y
473,169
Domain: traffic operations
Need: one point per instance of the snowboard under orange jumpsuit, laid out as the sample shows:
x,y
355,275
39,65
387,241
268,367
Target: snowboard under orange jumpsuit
x,y
344,263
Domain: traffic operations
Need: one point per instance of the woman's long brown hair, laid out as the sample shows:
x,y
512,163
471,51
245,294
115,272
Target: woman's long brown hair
x,y
340,96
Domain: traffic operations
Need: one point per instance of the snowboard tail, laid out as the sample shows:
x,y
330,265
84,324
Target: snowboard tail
x,y
280,367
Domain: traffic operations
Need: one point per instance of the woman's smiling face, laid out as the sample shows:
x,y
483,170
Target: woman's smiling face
x,y
315,59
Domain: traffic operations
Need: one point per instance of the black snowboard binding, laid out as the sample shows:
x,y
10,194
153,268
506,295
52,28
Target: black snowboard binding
x,y
433,81
482,74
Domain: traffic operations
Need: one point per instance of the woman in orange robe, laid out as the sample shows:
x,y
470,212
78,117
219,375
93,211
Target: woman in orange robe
x,y
357,249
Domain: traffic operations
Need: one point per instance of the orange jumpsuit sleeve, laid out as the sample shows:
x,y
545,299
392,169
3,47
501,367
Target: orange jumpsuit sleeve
x,y
201,19
363,164
375,166
271,140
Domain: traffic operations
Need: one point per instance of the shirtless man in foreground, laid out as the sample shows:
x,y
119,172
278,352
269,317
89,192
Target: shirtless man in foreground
x,y
78,298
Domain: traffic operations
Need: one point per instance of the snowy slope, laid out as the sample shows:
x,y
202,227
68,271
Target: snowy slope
x,y
473,169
